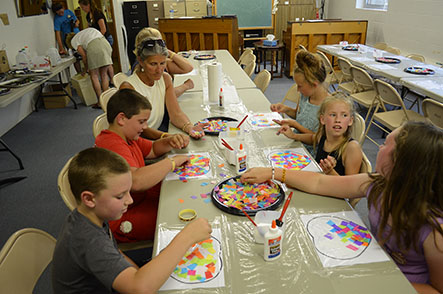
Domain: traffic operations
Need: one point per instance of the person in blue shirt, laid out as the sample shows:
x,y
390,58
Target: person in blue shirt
x,y
65,22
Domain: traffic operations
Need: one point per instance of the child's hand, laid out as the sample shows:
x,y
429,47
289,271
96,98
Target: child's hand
x,y
180,160
257,175
328,164
285,130
278,107
197,231
178,141
197,131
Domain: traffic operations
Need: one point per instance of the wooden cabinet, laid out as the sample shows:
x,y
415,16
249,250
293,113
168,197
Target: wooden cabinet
x,y
313,33
201,34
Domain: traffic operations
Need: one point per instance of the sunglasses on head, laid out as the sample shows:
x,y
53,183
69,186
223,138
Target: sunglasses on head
x,y
151,43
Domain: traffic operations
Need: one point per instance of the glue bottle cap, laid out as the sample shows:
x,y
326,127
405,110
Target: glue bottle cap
x,y
274,225
241,146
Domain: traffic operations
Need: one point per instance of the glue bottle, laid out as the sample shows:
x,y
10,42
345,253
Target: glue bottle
x,y
240,163
221,98
273,242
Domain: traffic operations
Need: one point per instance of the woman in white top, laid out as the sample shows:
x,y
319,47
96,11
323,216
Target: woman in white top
x,y
151,80
97,56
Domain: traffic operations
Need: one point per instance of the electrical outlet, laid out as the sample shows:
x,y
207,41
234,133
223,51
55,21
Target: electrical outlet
x,y
4,18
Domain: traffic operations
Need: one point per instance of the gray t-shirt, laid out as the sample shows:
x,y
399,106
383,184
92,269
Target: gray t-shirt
x,y
307,117
86,259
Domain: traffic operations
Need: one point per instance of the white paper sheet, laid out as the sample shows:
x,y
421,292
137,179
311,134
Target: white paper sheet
x,y
337,237
201,267
264,120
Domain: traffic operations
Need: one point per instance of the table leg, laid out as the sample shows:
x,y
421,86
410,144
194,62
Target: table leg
x,y
6,148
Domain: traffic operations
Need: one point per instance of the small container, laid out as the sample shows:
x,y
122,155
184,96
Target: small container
x,y
264,219
273,242
241,164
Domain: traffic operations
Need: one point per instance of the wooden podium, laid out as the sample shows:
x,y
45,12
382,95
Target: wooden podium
x,y
183,34
323,32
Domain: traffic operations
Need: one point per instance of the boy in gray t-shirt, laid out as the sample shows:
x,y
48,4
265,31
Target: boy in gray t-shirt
x,y
86,258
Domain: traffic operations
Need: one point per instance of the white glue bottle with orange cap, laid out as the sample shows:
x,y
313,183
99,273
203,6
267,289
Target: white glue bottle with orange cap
x,y
241,164
273,242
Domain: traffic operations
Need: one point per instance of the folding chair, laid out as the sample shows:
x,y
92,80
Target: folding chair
x,y
345,67
262,80
105,96
433,111
388,120
364,89
118,79
100,123
248,64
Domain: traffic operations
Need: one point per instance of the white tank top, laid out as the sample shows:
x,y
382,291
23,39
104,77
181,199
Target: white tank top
x,y
155,95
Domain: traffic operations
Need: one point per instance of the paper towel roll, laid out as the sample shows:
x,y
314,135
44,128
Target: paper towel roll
x,y
215,76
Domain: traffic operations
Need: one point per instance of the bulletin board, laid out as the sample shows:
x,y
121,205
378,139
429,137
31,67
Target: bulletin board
x,y
251,14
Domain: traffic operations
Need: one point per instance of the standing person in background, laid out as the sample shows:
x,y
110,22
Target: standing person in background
x,y
65,22
96,19
96,53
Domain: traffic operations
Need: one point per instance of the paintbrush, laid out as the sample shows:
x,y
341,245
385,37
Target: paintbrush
x,y
279,221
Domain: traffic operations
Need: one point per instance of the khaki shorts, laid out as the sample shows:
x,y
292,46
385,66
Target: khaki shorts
x,y
99,53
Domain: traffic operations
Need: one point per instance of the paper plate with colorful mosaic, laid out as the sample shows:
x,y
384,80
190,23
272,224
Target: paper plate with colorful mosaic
x,y
201,263
231,196
215,124
289,160
197,166
265,120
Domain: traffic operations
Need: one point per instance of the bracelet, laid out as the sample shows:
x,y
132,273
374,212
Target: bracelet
x,y
283,176
185,125
173,163
273,173
163,135
172,55
187,215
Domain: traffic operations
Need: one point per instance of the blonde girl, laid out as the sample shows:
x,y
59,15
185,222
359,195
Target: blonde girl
x,y
309,75
336,152
404,197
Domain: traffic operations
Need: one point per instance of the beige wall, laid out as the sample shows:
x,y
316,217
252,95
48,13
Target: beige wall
x,y
414,26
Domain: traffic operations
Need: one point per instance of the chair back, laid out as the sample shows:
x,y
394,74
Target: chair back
x,y
262,80
23,259
345,67
292,95
417,57
100,123
362,80
105,96
118,79
326,62
301,47
358,128
246,52
387,94
380,46
248,64
64,188
433,111
392,50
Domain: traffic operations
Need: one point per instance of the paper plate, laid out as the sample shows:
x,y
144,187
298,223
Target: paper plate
x,y
387,60
230,195
350,48
419,70
204,57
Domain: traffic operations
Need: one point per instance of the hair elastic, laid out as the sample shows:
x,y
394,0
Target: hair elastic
x,y
187,214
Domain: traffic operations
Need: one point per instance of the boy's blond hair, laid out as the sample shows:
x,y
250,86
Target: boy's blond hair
x,y
90,168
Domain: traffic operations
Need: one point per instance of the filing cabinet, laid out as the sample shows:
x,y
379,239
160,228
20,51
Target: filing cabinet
x,y
155,11
179,8
196,8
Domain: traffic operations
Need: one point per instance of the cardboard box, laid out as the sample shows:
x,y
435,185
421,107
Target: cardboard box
x,y
4,64
59,101
83,86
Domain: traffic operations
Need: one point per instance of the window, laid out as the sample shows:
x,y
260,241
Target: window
x,y
372,4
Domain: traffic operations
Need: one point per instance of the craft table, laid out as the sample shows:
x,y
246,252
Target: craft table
x,y
431,87
16,93
245,271
229,66
276,53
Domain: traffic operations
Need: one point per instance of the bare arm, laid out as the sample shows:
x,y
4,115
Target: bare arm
x,y
150,277
177,64
352,158
352,186
281,108
433,249
304,138
61,48
101,24
82,52
187,85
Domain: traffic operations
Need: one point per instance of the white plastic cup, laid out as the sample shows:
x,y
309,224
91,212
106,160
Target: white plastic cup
x,y
264,219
